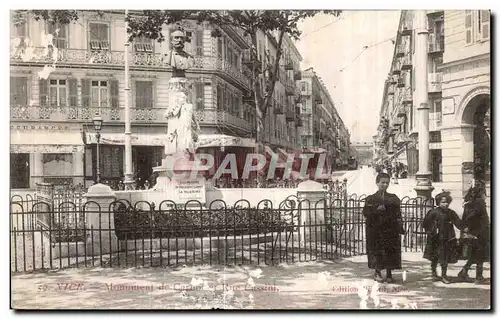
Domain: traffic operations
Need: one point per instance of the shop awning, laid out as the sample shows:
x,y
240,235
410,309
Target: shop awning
x,y
218,140
400,156
316,150
45,141
119,139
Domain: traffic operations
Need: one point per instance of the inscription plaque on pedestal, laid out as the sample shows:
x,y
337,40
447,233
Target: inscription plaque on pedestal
x,y
186,190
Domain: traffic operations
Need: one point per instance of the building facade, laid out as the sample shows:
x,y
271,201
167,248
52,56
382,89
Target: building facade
x,y
362,152
458,79
322,127
64,75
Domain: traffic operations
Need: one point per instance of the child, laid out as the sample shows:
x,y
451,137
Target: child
x,y
441,240
477,222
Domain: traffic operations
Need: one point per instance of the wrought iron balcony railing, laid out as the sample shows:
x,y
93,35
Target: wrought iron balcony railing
x,y
117,115
117,59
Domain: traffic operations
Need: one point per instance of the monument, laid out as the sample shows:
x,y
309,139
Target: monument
x,y
178,177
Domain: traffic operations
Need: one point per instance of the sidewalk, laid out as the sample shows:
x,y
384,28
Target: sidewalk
x,y
308,285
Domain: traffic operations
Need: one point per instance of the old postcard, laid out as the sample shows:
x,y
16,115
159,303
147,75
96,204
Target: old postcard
x,y
250,159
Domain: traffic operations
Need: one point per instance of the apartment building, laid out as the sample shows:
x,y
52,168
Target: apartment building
x,y
322,128
458,96
64,75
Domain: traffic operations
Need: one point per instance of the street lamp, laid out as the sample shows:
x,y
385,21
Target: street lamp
x,y
97,120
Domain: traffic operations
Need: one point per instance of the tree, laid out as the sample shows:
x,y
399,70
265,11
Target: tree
x,y
275,23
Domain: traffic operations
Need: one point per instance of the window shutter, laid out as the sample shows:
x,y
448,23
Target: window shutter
x,y
484,16
148,94
468,27
73,92
44,92
114,93
199,95
86,92
219,47
199,42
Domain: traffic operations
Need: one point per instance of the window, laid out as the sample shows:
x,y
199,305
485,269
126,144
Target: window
x,y
99,36
199,42
144,94
219,46
483,24
60,34
18,91
188,46
220,98
199,95
143,44
58,93
19,31
303,87
99,94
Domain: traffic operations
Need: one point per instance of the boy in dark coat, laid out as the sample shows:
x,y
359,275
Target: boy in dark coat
x,y
441,239
382,211
477,225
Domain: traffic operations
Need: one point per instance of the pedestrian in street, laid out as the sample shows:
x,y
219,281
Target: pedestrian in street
x,y
477,225
382,211
441,245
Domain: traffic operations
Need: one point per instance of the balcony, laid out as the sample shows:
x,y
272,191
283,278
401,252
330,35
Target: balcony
x,y
289,65
401,82
390,90
117,115
248,59
401,111
248,98
298,122
407,96
400,51
435,81
116,59
290,87
278,109
406,63
407,28
297,75
392,79
289,115
436,43
396,70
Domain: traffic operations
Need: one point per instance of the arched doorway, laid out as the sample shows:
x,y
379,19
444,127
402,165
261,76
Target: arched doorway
x,y
477,113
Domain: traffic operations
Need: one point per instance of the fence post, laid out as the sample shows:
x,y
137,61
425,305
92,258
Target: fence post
x,y
104,240
312,212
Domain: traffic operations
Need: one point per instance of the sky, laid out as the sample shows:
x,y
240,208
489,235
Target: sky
x,y
330,44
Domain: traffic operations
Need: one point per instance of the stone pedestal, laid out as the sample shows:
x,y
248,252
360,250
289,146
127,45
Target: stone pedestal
x,y
312,198
99,215
179,176
181,181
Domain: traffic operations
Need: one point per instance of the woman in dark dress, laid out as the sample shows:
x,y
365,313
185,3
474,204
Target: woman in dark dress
x,y
477,225
382,211
441,239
